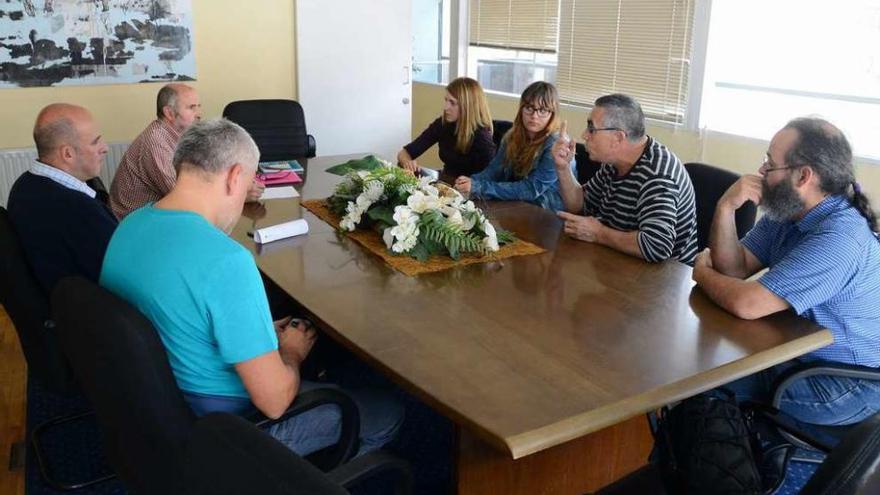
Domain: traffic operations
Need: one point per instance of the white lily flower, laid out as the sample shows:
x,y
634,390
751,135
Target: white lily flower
x,y
468,222
491,240
425,181
453,215
430,190
388,237
373,190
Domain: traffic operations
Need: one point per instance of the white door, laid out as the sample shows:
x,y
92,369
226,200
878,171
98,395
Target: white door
x,y
353,74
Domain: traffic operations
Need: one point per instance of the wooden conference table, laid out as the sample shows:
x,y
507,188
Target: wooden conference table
x,y
546,363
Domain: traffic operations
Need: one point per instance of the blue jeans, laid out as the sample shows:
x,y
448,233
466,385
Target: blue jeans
x,y
315,429
824,400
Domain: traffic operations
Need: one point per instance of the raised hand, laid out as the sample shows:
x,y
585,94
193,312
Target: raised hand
x,y
563,149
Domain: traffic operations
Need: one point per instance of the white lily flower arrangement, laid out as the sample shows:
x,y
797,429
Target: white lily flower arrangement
x,y
414,216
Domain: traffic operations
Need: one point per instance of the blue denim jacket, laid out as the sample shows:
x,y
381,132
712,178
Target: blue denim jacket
x,y
540,187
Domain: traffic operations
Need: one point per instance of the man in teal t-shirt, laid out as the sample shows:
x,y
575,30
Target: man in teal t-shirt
x,y
202,291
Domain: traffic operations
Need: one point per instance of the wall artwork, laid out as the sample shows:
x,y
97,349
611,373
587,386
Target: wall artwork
x,y
84,42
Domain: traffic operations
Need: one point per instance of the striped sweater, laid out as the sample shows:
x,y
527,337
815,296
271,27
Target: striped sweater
x,y
656,198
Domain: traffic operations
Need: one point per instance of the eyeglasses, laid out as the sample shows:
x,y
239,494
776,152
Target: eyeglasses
x,y
591,128
542,112
768,166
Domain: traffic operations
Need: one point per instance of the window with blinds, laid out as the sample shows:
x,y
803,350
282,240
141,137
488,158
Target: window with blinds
x,y
515,24
638,47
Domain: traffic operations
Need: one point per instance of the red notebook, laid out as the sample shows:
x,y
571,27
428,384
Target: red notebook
x,y
282,177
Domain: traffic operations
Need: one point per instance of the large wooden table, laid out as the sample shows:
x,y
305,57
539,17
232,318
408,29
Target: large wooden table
x,y
546,363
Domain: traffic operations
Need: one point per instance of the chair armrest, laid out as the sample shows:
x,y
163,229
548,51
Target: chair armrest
x,y
312,146
373,464
821,368
349,432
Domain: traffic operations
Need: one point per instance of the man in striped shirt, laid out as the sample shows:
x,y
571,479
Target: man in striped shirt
x,y
641,201
145,174
818,239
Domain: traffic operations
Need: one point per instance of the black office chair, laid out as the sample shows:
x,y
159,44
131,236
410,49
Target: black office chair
x,y
48,370
228,455
277,126
586,167
823,437
851,468
499,129
123,369
710,183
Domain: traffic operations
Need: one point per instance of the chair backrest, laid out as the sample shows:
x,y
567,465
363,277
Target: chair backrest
x,y
499,129
28,308
853,467
586,167
229,455
277,126
709,185
123,369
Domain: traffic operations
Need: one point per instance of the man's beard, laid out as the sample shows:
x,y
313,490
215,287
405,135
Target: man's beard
x,y
780,202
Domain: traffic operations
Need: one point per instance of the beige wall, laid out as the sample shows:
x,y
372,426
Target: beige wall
x,y
243,50
731,152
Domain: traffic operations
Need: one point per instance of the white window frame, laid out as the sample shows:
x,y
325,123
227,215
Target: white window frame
x,y
702,15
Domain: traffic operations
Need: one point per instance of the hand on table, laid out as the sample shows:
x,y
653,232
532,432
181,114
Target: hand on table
x,y
463,185
410,166
580,227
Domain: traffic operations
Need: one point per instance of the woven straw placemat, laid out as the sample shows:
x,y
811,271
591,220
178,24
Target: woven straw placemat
x,y
410,266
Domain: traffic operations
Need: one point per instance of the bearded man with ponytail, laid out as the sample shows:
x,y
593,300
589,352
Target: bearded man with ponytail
x,y
818,238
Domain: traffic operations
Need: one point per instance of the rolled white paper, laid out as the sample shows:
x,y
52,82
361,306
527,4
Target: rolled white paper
x,y
281,231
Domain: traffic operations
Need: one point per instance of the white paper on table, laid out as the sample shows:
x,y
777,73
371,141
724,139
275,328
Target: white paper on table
x,y
279,193
281,231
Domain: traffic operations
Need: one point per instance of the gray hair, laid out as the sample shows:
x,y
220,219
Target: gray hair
x,y
49,137
211,146
167,97
824,148
623,112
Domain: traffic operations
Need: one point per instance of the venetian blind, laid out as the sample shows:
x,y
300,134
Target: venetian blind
x,y
638,47
515,24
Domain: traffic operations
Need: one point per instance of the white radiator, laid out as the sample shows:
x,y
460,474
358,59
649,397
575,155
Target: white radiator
x,y
14,162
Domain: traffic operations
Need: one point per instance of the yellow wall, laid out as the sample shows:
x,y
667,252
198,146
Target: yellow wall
x,y
244,50
731,152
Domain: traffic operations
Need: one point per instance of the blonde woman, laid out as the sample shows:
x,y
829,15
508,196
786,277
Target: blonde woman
x,y
463,133
523,169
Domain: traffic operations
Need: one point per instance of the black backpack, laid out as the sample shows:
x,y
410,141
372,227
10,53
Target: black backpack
x,y
706,444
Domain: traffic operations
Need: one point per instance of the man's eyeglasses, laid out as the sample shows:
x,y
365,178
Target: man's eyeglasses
x,y
768,166
591,128
542,112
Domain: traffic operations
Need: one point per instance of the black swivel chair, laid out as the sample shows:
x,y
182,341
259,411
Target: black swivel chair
x,y
499,129
709,185
277,126
823,436
852,468
123,369
227,456
28,308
